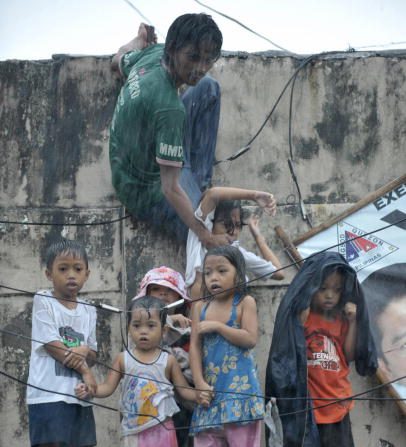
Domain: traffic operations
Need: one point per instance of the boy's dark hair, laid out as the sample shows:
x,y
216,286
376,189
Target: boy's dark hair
x,y
223,212
148,303
235,257
193,29
66,247
381,288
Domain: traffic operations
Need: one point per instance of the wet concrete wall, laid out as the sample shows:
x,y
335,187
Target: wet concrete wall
x,y
348,138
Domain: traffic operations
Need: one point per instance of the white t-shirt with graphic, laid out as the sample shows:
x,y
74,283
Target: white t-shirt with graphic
x,y
51,321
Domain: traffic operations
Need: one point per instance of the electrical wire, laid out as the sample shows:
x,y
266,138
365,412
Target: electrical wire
x,y
66,224
302,207
356,48
245,27
247,147
101,306
143,16
239,393
22,382
292,264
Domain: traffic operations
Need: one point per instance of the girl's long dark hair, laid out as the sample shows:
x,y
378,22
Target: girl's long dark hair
x,y
234,256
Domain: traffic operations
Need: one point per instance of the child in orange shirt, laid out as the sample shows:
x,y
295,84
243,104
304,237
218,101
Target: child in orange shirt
x,y
330,330
322,325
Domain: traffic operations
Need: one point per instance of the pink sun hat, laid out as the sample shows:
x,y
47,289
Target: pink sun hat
x,y
163,276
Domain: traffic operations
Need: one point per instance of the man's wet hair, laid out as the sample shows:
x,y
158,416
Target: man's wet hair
x,y
235,257
65,247
381,288
195,30
148,303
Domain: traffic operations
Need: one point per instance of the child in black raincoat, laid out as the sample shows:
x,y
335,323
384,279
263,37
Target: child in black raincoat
x,y
324,297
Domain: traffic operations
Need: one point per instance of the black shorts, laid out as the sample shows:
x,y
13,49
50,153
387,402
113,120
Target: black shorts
x,y
59,422
337,434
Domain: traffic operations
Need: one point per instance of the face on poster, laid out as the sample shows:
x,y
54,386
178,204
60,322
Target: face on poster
x,y
379,259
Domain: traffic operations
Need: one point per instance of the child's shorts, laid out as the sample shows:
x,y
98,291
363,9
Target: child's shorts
x,y
244,435
338,433
156,436
57,422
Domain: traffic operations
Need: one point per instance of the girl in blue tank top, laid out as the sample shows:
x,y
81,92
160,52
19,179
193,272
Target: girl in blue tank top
x,y
224,330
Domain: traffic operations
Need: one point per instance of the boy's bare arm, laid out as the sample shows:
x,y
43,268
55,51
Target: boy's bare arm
x,y
76,360
64,355
71,357
263,246
146,36
219,193
91,389
350,313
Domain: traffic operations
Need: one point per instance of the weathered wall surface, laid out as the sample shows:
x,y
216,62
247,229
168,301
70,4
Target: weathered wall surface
x,y
348,135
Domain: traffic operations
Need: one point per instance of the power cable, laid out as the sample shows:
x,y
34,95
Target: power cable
x,y
246,27
292,264
247,147
356,48
143,16
240,393
67,224
101,306
16,379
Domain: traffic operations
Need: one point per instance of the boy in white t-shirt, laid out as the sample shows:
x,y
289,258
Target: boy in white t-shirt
x,y
221,213
63,347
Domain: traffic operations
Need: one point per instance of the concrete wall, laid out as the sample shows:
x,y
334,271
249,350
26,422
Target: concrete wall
x,y
349,138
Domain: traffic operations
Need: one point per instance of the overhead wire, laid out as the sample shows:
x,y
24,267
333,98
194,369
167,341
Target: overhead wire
x,y
292,264
239,393
65,224
356,48
247,146
97,404
245,27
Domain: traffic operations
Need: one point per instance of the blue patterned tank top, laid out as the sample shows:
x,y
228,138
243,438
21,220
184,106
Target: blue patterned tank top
x,y
229,368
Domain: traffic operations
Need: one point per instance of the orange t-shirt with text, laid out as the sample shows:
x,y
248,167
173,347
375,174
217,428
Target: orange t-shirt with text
x,y
327,366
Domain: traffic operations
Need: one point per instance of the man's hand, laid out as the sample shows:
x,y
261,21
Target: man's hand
x,y
146,36
266,201
215,240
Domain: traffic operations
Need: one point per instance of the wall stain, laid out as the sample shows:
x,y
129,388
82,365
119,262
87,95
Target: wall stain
x,y
270,171
306,148
16,352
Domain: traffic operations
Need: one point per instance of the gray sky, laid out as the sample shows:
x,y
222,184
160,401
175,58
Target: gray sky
x,y
36,29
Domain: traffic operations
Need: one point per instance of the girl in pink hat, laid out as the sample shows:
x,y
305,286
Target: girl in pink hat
x,y
169,286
